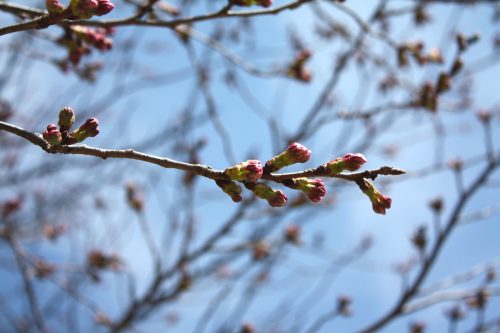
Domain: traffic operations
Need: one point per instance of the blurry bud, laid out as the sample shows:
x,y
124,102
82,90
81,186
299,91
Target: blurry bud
x,y
292,234
250,170
402,56
104,7
98,260
297,68
464,42
421,16
484,116
168,8
379,201
313,188
54,6
491,275
428,97
43,269
83,9
419,239
350,162
66,118
456,67
456,164
437,205
479,300
134,198
89,129
417,327
435,56
231,188
455,313
443,84
344,306
275,198
260,250
11,206
52,232
5,110
102,319
295,153
185,282
247,328
52,135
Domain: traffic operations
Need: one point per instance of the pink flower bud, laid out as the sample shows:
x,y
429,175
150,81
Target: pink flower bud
x,y
52,135
231,188
83,8
350,162
54,6
353,162
89,129
265,3
105,6
250,170
379,201
275,198
278,199
295,153
314,188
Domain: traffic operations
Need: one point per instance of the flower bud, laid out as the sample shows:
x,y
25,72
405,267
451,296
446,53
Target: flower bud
x,y
104,7
292,234
52,135
443,84
231,188
250,170
83,9
54,6
295,153
313,188
89,129
66,118
350,162
379,201
275,198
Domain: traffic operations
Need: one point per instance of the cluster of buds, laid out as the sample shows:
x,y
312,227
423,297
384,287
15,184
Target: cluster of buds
x,y
85,9
250,171
80,41
61,136
379,201
295,153
416,50
297,69
349,162
275,198
313,188
230,188
248,3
